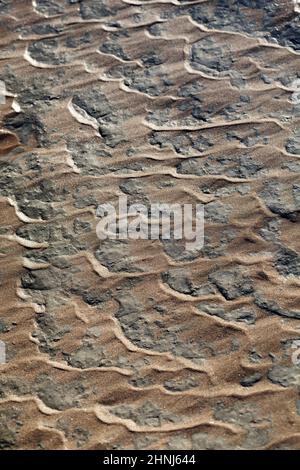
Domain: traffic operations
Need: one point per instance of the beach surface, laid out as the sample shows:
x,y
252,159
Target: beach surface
x,y
141,344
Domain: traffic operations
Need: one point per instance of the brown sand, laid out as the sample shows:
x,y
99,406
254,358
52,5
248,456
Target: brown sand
x,y
135,344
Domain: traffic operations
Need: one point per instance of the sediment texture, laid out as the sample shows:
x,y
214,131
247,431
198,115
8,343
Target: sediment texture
x,y
139,344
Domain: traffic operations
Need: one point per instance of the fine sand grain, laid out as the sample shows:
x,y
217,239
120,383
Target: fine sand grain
x,y
123,344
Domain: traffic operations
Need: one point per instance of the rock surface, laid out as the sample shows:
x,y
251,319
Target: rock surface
x,y
128,344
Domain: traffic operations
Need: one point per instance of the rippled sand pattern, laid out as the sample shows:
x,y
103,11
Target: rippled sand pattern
x,y
139,344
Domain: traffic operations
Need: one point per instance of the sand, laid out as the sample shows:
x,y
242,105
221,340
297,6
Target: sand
x,y
139,344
